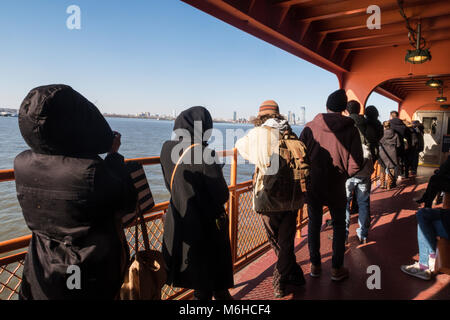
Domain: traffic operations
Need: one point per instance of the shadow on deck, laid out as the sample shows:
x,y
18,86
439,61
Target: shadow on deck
x,y
392,242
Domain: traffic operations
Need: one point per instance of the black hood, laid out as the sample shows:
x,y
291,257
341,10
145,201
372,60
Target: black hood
x,y
359,119
55,119
187,119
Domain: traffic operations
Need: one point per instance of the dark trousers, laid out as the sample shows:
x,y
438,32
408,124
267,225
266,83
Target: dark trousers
x,y
315,213
436,185
414,160
281,228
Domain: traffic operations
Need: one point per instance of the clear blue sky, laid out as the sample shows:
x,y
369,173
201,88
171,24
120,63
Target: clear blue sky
x,y
155,56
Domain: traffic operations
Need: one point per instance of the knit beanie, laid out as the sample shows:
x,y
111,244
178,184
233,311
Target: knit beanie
x,y
268,107
337,101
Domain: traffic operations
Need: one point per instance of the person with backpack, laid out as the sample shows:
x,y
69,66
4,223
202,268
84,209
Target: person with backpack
x,y
360,183
389,159
281,171
333,146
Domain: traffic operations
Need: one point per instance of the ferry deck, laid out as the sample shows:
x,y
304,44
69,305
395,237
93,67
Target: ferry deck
x,y
333,35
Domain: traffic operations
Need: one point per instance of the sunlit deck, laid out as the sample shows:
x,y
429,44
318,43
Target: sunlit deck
x,y
393,242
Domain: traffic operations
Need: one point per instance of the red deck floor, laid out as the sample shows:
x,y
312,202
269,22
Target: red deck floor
x,y
392,242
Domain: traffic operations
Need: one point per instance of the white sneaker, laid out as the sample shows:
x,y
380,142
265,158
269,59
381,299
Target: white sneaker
x,y
432,264
415,271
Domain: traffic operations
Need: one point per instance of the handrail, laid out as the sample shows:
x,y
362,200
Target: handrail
x,y
21,242
8,174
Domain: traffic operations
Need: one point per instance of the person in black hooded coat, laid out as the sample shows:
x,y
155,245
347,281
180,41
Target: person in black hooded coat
x,y
196,244
72,199
388,158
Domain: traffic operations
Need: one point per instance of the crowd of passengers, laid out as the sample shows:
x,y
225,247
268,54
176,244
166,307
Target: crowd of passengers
x,y
73,200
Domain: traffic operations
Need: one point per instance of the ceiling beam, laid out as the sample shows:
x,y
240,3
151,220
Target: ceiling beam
x,y
391,16
334,10
389,30
437,35
288,3
388,94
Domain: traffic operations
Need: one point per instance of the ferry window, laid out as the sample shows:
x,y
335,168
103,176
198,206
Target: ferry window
x,y
430,125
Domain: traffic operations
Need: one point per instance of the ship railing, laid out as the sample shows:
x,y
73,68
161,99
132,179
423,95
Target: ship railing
x,y
247,235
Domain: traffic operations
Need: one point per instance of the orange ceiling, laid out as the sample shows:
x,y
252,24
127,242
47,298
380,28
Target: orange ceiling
x,y
401,87
328,32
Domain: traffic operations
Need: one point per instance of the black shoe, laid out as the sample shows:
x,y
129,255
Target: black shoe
x,y
279,291
295,280
222,295
420,200
362,240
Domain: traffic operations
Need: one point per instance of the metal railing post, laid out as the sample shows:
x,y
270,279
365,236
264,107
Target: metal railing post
x,y
233,207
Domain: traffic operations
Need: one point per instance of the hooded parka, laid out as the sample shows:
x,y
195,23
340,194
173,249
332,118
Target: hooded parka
x,y
71,199
196,245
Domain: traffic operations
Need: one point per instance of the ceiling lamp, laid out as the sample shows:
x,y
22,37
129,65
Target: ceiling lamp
x,y
441,98
420,54
434,83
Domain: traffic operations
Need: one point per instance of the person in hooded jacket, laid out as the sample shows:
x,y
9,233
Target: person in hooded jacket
x,y
374,130
196,245
334,149
404,134
417,145
275,201
389,159
72,200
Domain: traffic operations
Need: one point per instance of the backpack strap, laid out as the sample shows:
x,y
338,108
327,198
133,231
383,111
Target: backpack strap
x,y
178,163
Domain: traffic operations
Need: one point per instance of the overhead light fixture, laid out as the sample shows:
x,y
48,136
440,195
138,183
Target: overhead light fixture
x,y
420,54
441,98
434,83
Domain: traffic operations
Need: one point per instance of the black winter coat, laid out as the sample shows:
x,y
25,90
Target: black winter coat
x,y
71,199
197,253
403,133
389,145
374,133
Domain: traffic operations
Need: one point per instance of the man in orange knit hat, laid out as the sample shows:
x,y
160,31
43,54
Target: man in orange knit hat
x,y
272,194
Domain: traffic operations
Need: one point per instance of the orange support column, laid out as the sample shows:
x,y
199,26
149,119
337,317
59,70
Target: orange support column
x,y
234,208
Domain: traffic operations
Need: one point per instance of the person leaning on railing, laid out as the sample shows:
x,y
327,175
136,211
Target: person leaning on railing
x,y
72,200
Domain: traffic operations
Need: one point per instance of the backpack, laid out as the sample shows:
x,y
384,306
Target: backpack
x,y
286,189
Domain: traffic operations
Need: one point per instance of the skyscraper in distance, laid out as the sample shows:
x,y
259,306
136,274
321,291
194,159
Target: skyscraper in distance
x,y
301,116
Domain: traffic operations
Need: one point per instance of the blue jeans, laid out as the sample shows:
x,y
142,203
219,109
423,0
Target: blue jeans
x,y
361,186
429,226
